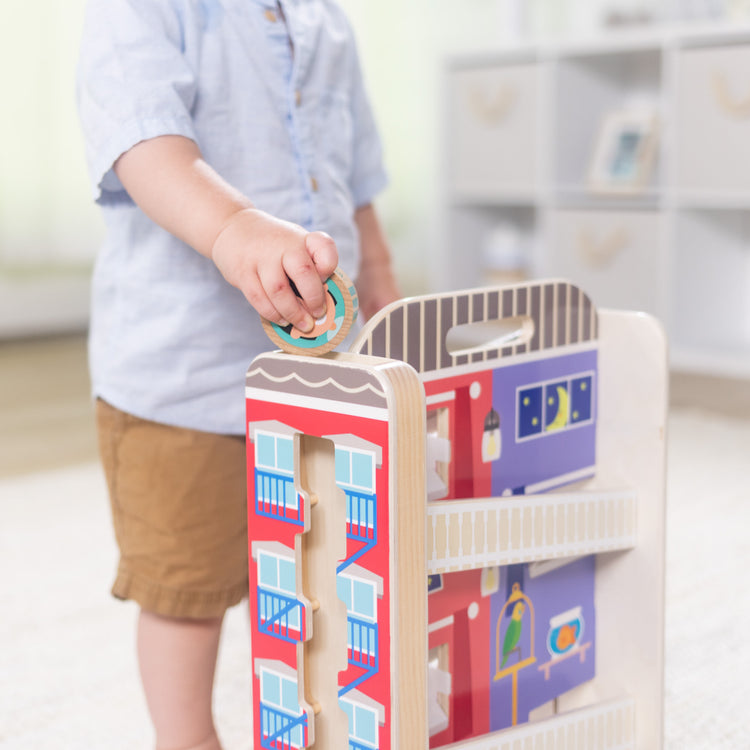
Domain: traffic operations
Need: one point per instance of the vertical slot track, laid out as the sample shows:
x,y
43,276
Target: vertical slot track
x,y
321,548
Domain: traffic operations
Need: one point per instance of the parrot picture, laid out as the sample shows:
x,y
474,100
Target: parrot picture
x,y
513,632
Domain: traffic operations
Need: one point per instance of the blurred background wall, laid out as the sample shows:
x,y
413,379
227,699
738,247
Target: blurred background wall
x,y
49,228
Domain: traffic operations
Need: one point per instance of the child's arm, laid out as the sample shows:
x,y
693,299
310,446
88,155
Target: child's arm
x,y
376,283
255,252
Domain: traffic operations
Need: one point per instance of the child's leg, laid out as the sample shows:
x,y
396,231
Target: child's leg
x,y
177,659
179,508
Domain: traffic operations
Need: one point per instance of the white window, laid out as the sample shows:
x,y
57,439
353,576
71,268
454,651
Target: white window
x,y
363,722
274,457
280,693
359,596
438,689
355,469
553,406
278,574
274,452
438,447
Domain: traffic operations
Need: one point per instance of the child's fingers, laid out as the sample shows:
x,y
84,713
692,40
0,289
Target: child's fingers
x,y
322,250
286,304
257,297
301,270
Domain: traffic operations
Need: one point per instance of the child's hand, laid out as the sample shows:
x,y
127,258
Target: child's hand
x,y
261,255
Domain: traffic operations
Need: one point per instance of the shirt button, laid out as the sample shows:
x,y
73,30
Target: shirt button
x,y
314,184
270,15
298,97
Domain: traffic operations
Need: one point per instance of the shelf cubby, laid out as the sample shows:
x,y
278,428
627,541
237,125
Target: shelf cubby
x,y
675,246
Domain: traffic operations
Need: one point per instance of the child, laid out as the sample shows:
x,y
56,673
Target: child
x,y
220,134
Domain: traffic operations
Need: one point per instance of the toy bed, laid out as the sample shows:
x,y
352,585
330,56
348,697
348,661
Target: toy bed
x,y
457,529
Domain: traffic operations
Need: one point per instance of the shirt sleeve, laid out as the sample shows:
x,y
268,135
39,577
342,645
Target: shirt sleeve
x,y
133,83
368,172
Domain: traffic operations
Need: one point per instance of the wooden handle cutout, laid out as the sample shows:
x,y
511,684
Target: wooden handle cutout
x,y
489,335
322,547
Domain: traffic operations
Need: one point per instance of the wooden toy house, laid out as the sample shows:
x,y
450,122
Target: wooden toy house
x,y
456,529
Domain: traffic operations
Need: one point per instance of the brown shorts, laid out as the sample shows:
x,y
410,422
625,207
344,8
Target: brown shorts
x,y
179,500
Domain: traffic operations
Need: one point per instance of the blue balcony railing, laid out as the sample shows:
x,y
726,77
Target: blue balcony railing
x,y
280,616
360,515
281,730
275,497
362,640
361,523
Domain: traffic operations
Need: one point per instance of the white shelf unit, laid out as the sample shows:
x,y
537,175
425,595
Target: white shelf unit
x,y
520,129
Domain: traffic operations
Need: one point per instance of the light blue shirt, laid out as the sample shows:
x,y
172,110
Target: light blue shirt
x,y
278,109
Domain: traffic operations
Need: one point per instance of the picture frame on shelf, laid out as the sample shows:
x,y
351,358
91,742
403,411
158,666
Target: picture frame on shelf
x,y
624,152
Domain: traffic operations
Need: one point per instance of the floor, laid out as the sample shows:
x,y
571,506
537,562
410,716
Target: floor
x,y
67,670
46,415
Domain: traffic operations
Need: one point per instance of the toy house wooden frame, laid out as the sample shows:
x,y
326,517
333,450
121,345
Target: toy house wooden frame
x,y
343,537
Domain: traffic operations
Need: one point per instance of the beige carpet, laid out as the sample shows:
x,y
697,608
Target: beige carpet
x,y
708,591
68,679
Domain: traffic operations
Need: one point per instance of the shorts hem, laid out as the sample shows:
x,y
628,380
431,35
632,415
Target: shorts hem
x,y
155,598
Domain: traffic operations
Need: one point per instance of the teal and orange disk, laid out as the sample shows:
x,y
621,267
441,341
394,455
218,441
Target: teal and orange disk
x,y
342,306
